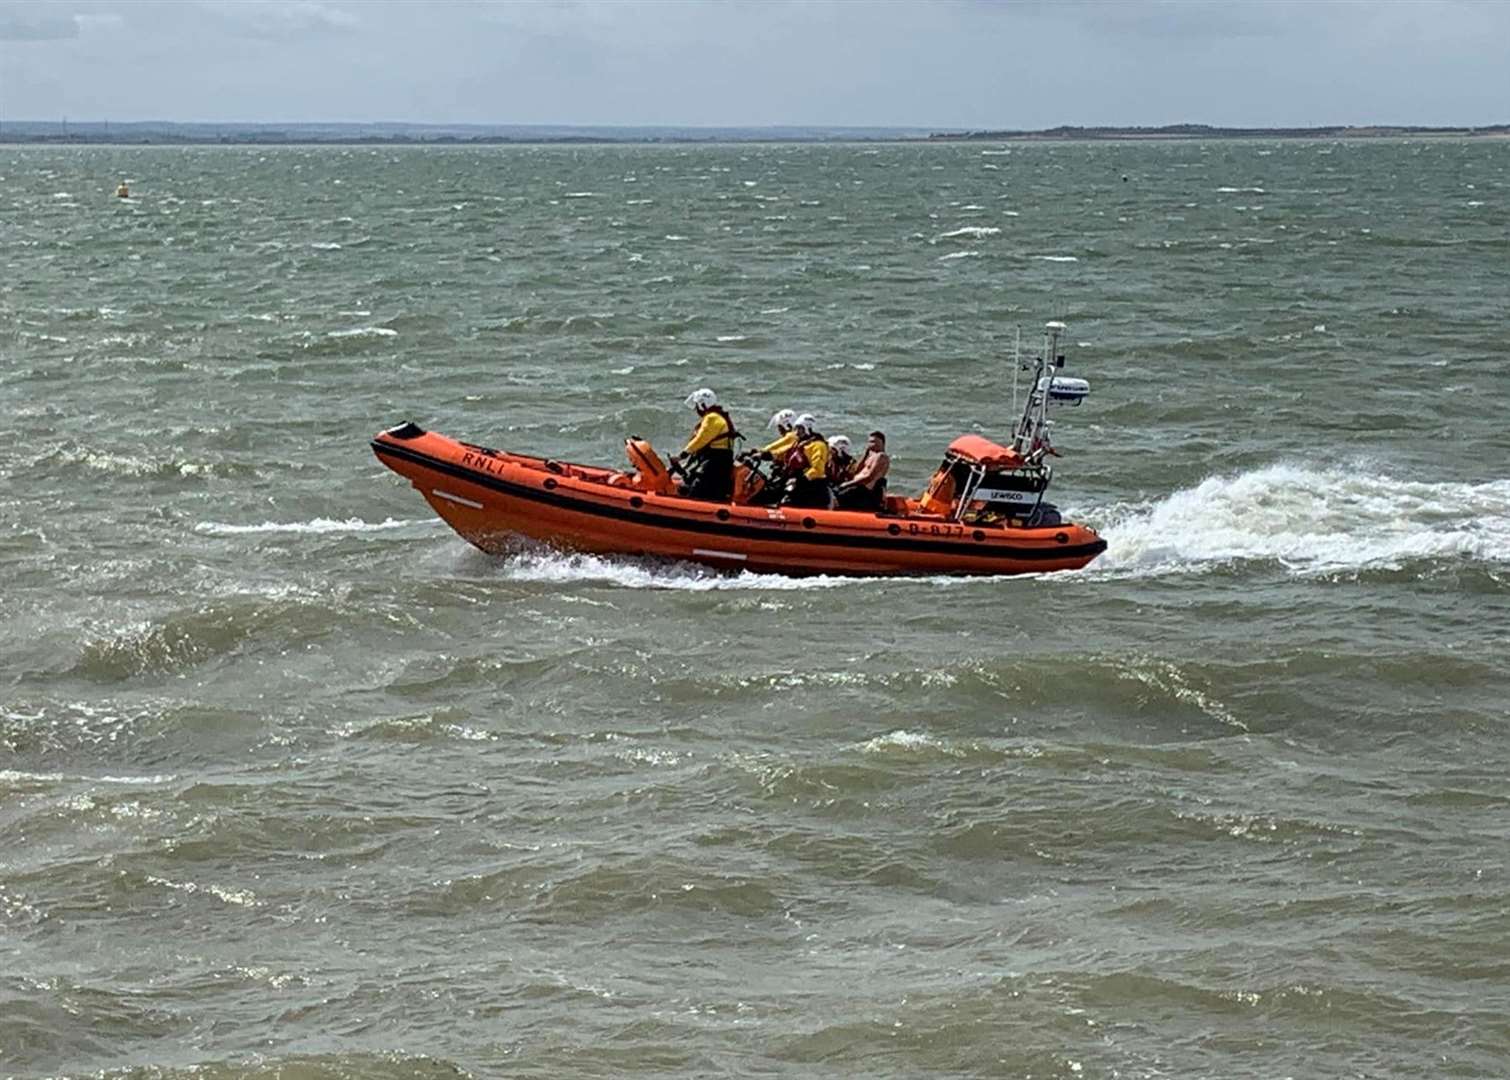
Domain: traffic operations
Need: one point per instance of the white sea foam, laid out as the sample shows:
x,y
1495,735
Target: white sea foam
x,y
239,897
317,525
554,567
1253,190
364,332
580,195
959,255
1312,520
907,742
20,776
977,231
128,465
1057,258
730,337
328,245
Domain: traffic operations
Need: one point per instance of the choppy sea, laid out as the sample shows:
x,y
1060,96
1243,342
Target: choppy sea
x,y
296,785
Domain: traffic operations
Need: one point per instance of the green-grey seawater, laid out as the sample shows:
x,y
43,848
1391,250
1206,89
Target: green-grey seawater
x,y
295,784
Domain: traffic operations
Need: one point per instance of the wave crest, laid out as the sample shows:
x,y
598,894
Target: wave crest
x,y
974,231
1313,521
317,525
634,573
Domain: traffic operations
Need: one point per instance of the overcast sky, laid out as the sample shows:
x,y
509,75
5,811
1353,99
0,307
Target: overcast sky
x,y
946,63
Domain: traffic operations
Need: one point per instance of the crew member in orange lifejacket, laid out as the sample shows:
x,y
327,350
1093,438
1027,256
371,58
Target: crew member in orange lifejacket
x,y
866,488
807,465
708,459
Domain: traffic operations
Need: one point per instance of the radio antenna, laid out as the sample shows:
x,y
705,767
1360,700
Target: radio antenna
x,y
1016,364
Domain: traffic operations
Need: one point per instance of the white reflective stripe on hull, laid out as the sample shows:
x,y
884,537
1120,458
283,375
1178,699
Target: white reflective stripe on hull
x,y
710,553
456,498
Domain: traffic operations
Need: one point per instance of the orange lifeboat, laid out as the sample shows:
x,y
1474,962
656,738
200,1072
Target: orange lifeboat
x,y
983,511
493,497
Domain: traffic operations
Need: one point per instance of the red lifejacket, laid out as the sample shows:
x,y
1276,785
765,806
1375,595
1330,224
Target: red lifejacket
x,y
796,463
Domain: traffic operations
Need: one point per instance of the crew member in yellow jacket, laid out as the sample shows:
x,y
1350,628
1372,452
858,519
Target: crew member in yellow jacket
x,y
784,422
775,451
807,465
708,459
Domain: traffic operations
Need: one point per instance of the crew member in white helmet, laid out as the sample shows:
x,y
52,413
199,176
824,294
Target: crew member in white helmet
x,y
841,460
707,461
807,465
783,422
776,451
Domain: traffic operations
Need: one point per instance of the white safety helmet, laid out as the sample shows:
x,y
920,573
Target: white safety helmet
x,y
839,444
702,399
782,419
807,422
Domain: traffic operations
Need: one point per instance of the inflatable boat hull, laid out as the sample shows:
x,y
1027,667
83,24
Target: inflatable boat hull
x,y
493,498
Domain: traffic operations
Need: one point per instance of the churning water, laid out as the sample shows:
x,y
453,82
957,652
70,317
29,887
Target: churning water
x,y
293,783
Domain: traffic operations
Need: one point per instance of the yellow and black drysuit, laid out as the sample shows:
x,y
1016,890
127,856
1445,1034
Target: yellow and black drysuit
x,y
778,450
807,464
776,453
710,457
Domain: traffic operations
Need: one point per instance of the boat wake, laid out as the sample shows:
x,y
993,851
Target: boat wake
x,y
1313,521
317,525
551,567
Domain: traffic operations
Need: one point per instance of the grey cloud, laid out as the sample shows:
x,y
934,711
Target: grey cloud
x,y
280,19
32,24
1197,19
929,63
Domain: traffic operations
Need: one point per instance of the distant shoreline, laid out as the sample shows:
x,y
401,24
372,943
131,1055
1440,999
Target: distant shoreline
x,y
1203,131
156,133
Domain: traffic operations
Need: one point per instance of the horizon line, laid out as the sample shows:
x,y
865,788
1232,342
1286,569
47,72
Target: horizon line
x,y
69,120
